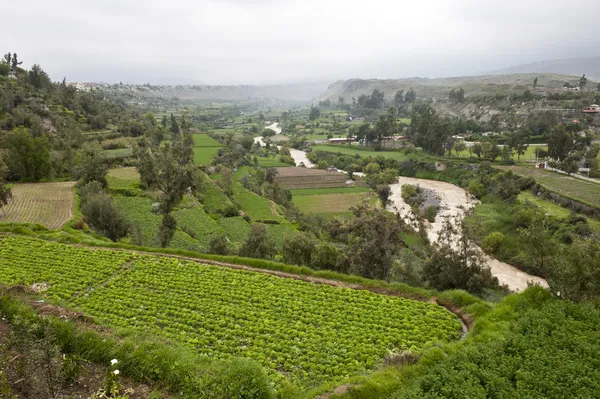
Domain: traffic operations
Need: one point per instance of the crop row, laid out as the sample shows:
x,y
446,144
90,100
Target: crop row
x,y
304,331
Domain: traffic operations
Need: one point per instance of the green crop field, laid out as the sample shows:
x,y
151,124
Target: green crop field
x,y
271,163
554,209
332,190
338,202
123,178
570,187
205,148
204,140
363,151
255,206
309,333
138,211
204,155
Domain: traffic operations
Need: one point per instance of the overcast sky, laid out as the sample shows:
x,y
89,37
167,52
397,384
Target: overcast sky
x,y
273,41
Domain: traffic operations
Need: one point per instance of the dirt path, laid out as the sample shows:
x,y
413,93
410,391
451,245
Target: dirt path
x,y
454,202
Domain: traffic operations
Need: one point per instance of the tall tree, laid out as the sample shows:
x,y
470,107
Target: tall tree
x,y
28,158
560,142
582,82
518,142
535,82
456,262
429,130
410,96
5,191
375,239
314,113
399,97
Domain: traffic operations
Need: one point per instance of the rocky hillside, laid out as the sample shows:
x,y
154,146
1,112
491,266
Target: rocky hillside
x,y
302,92
440,88
571,66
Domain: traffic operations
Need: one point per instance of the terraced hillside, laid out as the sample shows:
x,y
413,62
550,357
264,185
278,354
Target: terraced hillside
x,y
300,331
294,178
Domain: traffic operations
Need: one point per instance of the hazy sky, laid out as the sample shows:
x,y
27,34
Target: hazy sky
x,y
271,41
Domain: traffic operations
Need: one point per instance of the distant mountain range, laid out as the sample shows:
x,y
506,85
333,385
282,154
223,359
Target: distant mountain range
x,y
569,66
295,92
440,87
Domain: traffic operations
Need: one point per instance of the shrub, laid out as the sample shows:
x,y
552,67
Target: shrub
x,y
493,241
219,245
101,213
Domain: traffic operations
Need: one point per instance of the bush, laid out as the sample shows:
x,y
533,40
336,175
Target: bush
x,y
219,245
493,241
101,213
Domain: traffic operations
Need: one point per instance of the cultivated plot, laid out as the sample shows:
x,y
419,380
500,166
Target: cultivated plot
x,y
48,204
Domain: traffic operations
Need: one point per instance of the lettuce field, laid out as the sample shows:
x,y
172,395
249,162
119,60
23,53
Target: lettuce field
x,y
309,333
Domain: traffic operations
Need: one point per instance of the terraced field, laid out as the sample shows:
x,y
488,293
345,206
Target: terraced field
x,y
306,332
205,148
48,204
295,178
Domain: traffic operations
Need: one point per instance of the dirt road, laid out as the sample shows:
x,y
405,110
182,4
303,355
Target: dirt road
x,y
454,202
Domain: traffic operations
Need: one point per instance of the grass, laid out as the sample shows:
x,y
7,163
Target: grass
x,y
236,228
264,162
398,155
570,187
204,140
333,190
118,153
205,148
123,178
529,154
138,212
255,206
204,155
554,209
338,202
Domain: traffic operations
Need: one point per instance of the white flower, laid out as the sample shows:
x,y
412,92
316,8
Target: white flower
x,y
113,362
116,372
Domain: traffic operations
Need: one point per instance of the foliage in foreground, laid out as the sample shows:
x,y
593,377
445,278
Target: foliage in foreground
x,y
311,333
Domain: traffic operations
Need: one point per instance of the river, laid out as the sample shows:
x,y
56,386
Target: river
x,y
454,202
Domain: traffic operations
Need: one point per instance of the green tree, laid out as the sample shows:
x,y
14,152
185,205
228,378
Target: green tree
x,y
314,113
219,245
490,150
399,97
92,165
478,149
167,230
28,158
258,244
456,262
374,239
535,82
577,275
103,216
38,78
298,249
174,127
383,192
5,191
538,244
560,142
459,147
427,129
410,96
582,82
518,142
